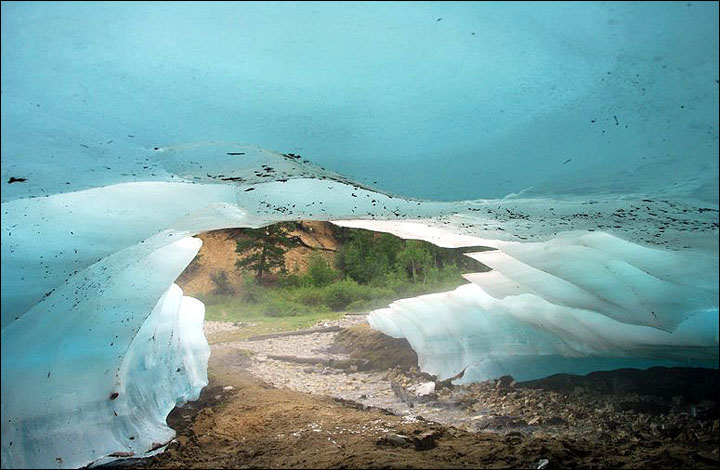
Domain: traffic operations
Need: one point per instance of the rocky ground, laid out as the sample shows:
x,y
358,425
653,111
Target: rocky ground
x,y
350,397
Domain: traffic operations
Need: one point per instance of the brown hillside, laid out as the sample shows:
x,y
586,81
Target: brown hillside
x,y
218,254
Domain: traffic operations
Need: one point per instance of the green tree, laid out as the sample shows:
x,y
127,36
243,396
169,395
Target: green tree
x,y
415,258
368,257
264,249
320,272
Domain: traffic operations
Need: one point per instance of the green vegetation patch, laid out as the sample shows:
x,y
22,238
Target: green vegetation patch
x,y
254,320
370,270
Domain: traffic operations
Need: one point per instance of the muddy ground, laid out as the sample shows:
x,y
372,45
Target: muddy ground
x,y
366,412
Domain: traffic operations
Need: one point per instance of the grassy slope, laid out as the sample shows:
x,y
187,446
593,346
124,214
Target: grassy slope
x,y
232,309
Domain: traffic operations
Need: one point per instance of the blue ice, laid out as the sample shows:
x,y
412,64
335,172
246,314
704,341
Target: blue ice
x,y
578,139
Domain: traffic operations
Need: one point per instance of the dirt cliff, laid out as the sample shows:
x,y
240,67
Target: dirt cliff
x,y
218,254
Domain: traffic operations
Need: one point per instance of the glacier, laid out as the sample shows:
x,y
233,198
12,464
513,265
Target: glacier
x,y
578,140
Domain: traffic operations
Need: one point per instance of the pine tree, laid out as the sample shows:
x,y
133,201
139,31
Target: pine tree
x,y
266,247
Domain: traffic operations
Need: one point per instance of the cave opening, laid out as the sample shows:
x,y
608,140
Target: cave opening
x,y
299,388
287,304
295,269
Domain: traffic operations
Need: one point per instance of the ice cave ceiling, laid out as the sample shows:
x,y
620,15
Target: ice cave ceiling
x,y
580,139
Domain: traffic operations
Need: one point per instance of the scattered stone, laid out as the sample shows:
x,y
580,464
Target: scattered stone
x,y
448,383
394,440
514,437
425,389
156,446
573,409
505,384
426,440
325,329
555,421
401,393
448,404
122,454
501,422
227,388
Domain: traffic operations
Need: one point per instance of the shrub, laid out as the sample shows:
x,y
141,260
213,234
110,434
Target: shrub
x,y
251,290
319,271
310,296
222,283
339,295
292,280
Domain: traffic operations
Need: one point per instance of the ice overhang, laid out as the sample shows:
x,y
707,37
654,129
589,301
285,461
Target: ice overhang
x,y
580,140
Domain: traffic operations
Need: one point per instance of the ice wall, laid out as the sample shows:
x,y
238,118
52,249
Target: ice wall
x,y
578,303
589,130
92,361
87,373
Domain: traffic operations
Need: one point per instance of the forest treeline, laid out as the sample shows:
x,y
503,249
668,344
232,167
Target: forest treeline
x,y
369,270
